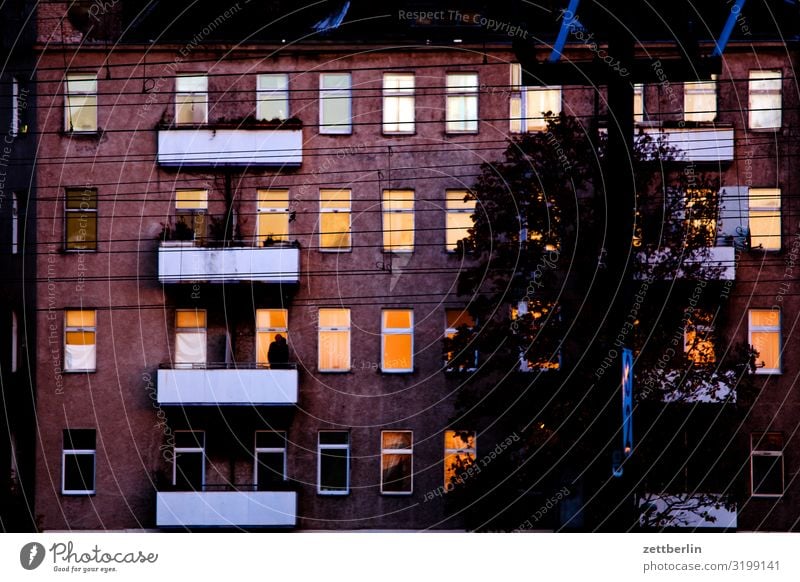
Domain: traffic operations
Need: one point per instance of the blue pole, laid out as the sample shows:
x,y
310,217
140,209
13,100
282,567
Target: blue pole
x,y
736,9
561,40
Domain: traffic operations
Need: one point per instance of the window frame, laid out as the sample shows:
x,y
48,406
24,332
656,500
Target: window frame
x,y
197,215
71,214
519,92
755,439
343,208
76,452
699,88
450,332
639,93
79,329
69,107
283,211
325,93
460,451
467,94
756,75
339,447
776,194
184,93
274,97
270,331
202,450
767,329
191,330
397,331
280,450
451,213
386,227
409,452
400,94
322,329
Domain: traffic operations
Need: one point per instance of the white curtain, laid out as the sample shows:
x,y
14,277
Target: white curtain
x,y
190,348
78,357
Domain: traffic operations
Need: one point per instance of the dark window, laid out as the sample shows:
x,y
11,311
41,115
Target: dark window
x,y
81,219
78,461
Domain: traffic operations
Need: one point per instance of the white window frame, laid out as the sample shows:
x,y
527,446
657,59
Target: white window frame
x,y
271,331
467,94
399,126
69,108
281,450
77,328
776,93
75,452
459,451
525,122
272,97
14,223
697,88
467,207
386,226
639,103
192,330
397,331
409,452
755,438
326,127
766,328
13,130
330,446
763,193
78,211
336,207
322,329
202,450
283,210
184,92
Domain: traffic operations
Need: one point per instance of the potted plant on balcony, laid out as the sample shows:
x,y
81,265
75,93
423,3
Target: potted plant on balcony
x,y
176,235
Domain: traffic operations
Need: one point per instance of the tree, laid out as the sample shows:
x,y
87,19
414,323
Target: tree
x,y
536,253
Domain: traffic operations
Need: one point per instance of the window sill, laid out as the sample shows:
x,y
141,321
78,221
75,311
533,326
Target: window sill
x,y
78,493
348,371
333,493
79,371
768,372
67,251
82,134
764,129
766,495
336,133
336,251
465,132
397,494
398,133
396,372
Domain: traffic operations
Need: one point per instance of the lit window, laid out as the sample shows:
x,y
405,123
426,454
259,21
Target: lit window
x,y
78,458
272,337
459,455
191,207
701,215
462,102
14,223
191,100
334,220
700,100
764,216
273,216
15,107
766,464
638,103
398,220
80,340
764,335
398,103
397,462
334,340
698,340
190,338
333,462
530,361
80,211
80,111
270,460
272,97
529,104
459,217
455,319
397,336
335,109
189,460
765,100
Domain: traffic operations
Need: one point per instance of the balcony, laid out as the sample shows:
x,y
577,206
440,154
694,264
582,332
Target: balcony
x,y
712,263
687,510
695,144
225,385
184,262
682,386
261,145
239,508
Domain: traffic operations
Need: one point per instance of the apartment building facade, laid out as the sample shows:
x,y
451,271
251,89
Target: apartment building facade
x,y
196,200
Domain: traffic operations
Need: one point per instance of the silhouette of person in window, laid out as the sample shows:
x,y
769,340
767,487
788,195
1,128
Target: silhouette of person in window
x,y
278,353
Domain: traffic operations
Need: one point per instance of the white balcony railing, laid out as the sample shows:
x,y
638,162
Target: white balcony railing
x,y
187,263
226,509
687,510
274,147
209,386
714,263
